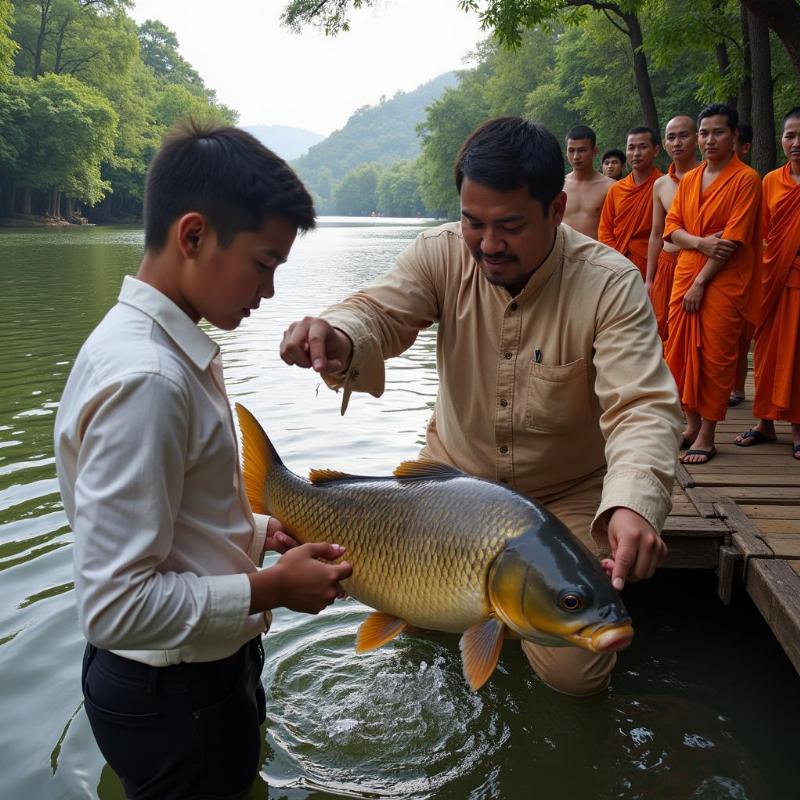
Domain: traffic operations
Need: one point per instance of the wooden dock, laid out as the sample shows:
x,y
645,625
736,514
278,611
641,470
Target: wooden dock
x,y
740,515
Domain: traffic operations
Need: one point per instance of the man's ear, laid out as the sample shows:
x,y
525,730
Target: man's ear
x,y
558,207
191,230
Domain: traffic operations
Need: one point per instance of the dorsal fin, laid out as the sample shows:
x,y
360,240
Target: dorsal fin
x,y
426,468
328,475
258,458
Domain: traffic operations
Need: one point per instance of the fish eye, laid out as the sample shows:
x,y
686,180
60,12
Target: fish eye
x,y
571,602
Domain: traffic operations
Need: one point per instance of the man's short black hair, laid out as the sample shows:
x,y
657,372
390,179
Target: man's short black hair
x,y
720,110
226,175
643,129
792,114
613,153
510,152
581,132
745,133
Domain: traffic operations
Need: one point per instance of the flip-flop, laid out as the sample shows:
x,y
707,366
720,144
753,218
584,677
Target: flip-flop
x,y
735,400
796,452
756,436
686,443
709,454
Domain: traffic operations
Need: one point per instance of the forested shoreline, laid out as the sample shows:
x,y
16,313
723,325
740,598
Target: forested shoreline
x,y
86,93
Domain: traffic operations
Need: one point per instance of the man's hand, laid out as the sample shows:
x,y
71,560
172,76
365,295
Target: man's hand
x,y
277,538
693,298
313,342
303,579
636,548
716,247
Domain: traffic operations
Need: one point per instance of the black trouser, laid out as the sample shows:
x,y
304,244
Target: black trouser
x,y
185,731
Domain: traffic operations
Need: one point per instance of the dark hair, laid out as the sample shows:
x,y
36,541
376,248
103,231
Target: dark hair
x,y
581,132
793,114
613,153
225,174
510,152
745,133
643,129
720,110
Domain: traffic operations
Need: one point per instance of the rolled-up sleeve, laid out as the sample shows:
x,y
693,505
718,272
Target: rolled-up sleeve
x,y
640,410
128,489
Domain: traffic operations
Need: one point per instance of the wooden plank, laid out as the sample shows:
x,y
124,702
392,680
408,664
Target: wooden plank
x,y
744,533
695,526
784,545
728,478
781,495
780,527
795,565
682,475
771,512
775,589
703,500
729,558
685,552
685,509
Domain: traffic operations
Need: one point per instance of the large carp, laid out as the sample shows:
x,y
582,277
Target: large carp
x,y
434,548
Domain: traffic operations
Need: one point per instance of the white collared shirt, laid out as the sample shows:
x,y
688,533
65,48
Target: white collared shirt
x,y
149,473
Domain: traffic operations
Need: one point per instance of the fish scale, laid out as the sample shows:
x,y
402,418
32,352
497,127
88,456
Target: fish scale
x,y
400,533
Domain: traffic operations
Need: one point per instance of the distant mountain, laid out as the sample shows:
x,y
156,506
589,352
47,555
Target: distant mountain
x,y
289,143
381,134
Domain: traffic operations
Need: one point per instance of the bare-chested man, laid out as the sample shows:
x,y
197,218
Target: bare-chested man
x,y
680,141
585,187
612,162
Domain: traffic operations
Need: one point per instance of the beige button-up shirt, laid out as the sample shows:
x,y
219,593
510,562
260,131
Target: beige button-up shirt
x,y
559,385
149,472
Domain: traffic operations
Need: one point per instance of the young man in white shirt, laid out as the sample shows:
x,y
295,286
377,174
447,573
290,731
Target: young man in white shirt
x,y
167,550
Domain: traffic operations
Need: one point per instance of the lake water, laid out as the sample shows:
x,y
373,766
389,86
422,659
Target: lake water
x,y
704,705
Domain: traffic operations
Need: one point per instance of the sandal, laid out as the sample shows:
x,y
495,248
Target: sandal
x,y
756,436
709,454
796,452
735,399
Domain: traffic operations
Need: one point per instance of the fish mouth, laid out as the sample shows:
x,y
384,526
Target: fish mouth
x,y
603,639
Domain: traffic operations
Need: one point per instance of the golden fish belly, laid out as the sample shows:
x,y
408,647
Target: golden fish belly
x,y
420,550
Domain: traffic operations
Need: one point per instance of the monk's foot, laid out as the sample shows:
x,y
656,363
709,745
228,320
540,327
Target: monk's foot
x,y
735,398
761,433
796,451
688,438
701,452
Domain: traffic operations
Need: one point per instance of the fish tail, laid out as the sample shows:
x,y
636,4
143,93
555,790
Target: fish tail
x,y
259,457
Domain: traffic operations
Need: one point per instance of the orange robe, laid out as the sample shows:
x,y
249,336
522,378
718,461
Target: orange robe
x,y
662,290
777,350
627,218
702,348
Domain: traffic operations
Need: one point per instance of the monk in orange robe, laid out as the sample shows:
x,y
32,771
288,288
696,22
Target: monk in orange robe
x,y
715,220
628,208
680,142
777,350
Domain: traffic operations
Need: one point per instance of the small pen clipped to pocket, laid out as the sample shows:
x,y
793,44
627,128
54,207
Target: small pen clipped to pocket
x,y
537,356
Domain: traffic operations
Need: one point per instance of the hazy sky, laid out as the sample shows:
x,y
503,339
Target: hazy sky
x,y
272,76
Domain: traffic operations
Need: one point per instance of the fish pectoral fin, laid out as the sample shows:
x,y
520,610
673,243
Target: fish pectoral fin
x,y
378,629
480,651
426,468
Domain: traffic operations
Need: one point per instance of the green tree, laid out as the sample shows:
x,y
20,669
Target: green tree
x,y
397,193
355,196
8,46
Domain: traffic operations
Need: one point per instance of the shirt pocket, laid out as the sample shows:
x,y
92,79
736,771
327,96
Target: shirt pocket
x,y
558,396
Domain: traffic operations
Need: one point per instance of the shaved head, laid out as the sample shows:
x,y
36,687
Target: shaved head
x,y
682,121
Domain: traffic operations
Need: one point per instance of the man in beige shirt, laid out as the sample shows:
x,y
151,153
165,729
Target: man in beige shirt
x,y
551,376
586,188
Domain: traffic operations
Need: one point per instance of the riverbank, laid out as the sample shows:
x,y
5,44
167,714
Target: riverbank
x,y
37,221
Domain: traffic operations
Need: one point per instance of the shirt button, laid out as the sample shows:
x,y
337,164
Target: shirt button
x,y
514,306
503,449
503,402
508,354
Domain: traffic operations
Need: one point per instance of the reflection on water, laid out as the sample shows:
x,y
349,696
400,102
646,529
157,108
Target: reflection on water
x,y
702,706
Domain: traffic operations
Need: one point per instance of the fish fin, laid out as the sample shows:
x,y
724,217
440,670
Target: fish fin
x,y
480,651
258,457
328,475
378,629
426,468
